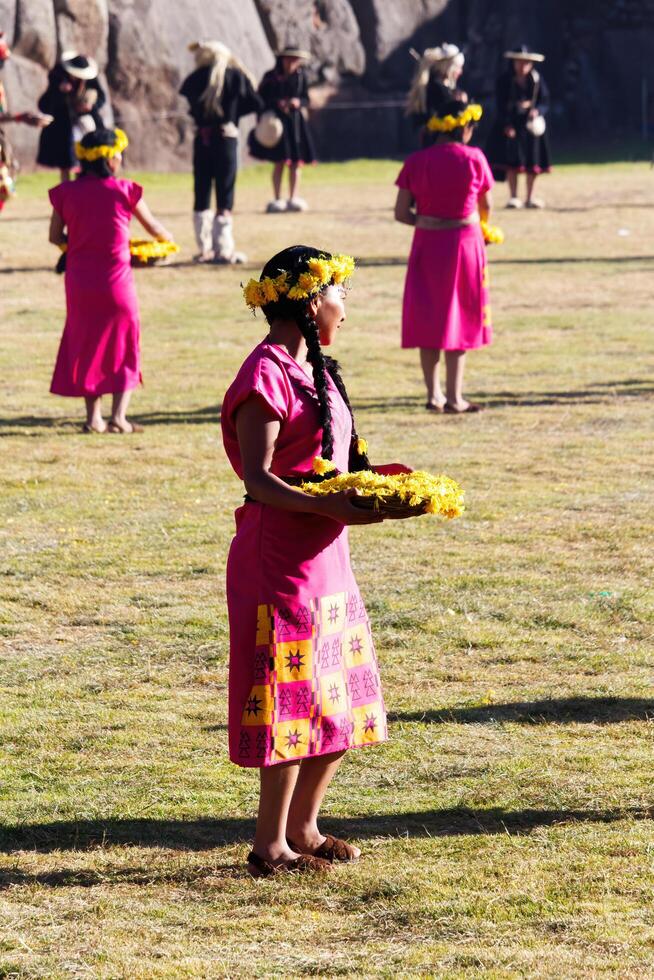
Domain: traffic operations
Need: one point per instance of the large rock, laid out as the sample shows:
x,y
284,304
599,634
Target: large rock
x,y
329,30
82,25
149,57
8,18
386,25
36,32
24,81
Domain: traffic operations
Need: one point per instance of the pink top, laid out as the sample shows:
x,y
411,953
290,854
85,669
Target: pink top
x,y
272,375
446,180
97,212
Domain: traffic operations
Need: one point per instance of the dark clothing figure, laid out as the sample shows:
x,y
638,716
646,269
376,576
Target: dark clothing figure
x,y
524,152
86,98
215,148
296,144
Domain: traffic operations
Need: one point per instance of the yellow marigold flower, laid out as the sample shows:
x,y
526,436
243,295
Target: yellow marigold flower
x,y
269,291
281,282
320,269
433,494
361,446
342,268
295,292
492,234
322,466
307,282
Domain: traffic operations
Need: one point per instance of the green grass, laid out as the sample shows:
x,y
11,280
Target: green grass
x,y
506,825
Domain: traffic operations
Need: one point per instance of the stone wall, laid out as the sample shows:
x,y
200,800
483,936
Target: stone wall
x,y
598,60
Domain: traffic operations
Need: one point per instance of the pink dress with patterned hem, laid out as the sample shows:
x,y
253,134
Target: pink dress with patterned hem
x,y
99,353
446,298
303,674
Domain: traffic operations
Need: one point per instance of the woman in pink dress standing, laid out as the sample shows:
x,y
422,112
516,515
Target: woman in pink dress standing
x,y
443,192
99,353
303,679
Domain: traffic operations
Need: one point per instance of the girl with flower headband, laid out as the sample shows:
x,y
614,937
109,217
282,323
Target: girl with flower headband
x,y
443,192
99,353
303,679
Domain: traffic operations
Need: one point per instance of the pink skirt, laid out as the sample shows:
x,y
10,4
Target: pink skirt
x,y
446,299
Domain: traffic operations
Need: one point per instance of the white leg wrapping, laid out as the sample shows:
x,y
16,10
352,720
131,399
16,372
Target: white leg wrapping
x,y
223,238
202,222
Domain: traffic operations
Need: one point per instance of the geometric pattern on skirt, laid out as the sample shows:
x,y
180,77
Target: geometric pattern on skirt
x,y
316,682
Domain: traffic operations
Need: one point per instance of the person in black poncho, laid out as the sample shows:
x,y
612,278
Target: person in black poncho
x,y
73,98
518,141
219,92
285,93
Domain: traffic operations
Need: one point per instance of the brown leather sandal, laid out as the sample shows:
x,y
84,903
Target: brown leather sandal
x,y
332,849
258,867
470,407
431,407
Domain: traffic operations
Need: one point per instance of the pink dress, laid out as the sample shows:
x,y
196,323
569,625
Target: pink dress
x,y
446,300
99,351
303,675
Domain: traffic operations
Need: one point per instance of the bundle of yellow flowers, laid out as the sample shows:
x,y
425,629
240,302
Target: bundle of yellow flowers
x,y
403,494
492,234
445,124
145,251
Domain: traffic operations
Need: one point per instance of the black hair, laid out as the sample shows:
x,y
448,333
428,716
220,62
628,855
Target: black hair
x,y
99,137
294,260
453,108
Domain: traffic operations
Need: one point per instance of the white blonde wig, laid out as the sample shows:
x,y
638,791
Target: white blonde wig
x,y
217,57
443,62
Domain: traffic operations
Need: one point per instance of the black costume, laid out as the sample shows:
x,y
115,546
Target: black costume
x,y
523,152
215,149
296,144
56,145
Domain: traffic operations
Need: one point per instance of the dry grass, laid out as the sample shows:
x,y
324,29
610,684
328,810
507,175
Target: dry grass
x,y
507,823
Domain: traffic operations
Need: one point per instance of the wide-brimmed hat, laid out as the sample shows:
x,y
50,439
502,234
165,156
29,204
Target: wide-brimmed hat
x,y
445,52
292,51
79,66
522,53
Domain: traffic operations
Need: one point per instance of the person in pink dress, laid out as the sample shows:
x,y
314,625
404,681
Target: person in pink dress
x,y
303,678
99,353
443,191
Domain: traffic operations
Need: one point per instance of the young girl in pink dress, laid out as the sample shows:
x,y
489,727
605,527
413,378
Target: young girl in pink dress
x,y
303,679
443,192
99,353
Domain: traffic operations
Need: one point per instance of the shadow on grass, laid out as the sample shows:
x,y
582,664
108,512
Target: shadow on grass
x,y
70,426
391,260
205,833
558,711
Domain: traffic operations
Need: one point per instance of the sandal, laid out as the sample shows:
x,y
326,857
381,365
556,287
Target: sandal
x,y
434,408
258,867
332,849
470,407
121,430
90,430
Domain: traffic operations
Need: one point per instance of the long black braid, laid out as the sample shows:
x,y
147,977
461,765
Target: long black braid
x,y
294,260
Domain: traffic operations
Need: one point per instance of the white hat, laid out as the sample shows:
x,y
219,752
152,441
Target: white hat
x,y
523,53
269,129
446,52
78,65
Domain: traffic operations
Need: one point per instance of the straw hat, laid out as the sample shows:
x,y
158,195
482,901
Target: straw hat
x,y
292,51
79,66
269,129
522,53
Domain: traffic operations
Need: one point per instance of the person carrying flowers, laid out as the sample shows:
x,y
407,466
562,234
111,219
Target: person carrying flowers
x,y
99,353
303,678
443,192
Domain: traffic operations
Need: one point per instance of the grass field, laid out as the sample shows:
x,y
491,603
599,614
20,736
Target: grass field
x,y
507,824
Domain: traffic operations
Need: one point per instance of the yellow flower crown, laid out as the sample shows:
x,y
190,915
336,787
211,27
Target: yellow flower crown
x,y
446,124
92,153
320,272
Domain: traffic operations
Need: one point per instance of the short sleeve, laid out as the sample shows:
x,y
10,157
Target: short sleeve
x,y
56,195
486,179
134,193
404,178
265,379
